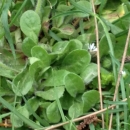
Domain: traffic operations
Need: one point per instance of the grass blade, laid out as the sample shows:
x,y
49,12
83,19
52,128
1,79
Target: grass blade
x,y
53,35
24,119
4,18
42,121
103,3
17,14
1,8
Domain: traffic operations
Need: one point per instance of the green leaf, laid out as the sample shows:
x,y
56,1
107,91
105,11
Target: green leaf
x,y
27,46
106,77
119,48
66,101
86,40
70,126
7,59
76,60
85,5
75,44
44,104
90,98
106,63
103,46
5,89
67,29
36,64
22,83
30,24
53,113
41,121
41,53
32,60
57,78
114,29
34,103
60,49
75,110
89,73
6,71
127,66
51,94
58,21
16,121
74,84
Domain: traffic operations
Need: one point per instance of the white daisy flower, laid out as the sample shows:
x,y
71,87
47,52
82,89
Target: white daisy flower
x,y
92,47
123,73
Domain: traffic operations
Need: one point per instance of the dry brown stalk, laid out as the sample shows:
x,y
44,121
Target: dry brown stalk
x,y
120,74
98,62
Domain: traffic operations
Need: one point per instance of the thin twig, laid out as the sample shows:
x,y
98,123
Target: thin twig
x,y
120,74
98,62
80,118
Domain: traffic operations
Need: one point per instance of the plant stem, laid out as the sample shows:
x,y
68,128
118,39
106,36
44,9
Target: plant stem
x,y
119,74
98,62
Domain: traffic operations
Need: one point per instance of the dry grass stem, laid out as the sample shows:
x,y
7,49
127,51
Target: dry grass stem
x,y
120,74
98,62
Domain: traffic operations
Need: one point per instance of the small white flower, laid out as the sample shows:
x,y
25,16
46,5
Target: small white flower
x,y
92,47
123,73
